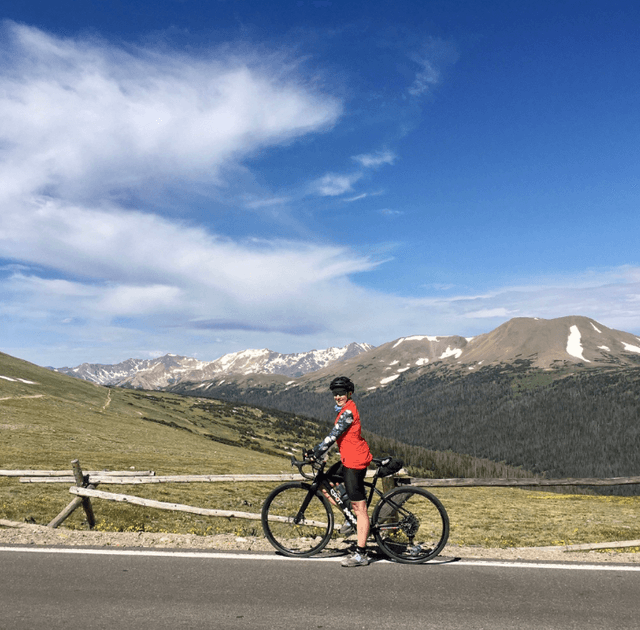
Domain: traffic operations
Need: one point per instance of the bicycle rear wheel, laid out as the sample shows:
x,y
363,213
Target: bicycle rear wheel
x,y
293,532
410,525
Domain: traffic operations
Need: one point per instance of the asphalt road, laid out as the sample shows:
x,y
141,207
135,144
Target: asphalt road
x,y
158,590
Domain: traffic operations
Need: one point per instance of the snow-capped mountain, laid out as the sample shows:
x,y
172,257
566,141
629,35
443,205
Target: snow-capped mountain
x,y
172,369
533,342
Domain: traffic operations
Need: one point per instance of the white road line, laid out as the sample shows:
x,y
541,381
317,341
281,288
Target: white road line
x,y
254,556
547,565
163,554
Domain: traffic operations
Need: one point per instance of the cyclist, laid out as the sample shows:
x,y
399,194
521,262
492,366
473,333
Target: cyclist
x,y
354,459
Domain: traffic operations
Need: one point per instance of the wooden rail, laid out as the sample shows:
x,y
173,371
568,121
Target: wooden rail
x,y
534,481
115,478
178,507
69,473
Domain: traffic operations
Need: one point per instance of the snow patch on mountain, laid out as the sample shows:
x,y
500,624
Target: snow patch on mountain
x,y
415,338
18,380
574,347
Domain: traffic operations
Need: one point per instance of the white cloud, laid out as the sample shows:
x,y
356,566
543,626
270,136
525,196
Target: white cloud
x,y
490,313
357,197
133,248
81,121
83,117
255,203
425,78
431,58
373,160
332,185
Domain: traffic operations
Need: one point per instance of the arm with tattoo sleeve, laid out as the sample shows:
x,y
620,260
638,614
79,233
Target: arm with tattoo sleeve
x,y
341,426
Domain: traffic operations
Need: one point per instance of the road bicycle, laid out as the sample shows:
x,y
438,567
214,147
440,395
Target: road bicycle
x,y
409,524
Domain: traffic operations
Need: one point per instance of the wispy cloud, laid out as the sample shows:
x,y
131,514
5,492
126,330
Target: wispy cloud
x,y
333,185
83,117
425,78
373,160
254,203
486,313
431,58
357,197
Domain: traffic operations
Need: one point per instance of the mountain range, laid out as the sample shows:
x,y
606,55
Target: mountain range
x,y
171,369
575,341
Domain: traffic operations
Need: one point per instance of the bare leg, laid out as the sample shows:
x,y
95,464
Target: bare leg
x,y
360,509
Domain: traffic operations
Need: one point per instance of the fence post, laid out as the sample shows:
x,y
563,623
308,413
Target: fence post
x,y
78,501
389,483
82,483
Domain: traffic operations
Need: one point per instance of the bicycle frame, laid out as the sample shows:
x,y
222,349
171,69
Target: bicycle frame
x,y
323,482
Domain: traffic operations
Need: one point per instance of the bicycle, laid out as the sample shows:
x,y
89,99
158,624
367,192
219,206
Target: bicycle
x,y
409,524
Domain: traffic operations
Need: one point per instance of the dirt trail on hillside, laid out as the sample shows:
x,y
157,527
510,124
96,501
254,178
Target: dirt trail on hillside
x,y
15,533
106,404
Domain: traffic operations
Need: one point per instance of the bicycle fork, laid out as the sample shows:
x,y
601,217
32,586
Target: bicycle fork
x,y
299,517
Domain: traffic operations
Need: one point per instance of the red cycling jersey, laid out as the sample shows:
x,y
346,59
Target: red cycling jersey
x,y
354,450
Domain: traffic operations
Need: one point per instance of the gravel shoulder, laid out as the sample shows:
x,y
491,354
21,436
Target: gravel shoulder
x,y
16,533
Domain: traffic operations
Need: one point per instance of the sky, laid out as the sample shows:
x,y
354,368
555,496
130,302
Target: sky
x,y
200,177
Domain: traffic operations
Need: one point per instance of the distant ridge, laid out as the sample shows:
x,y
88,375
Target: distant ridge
x,y
172,369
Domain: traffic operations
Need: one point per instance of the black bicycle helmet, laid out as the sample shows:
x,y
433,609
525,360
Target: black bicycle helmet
x,y
342,385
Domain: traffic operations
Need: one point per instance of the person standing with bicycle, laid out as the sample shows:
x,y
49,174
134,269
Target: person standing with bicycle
x,y
355,456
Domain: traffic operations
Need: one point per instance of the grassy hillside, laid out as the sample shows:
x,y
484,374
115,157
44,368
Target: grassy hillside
x,y
53,418
48,419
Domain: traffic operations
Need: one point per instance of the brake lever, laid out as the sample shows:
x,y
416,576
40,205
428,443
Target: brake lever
x,y
299,465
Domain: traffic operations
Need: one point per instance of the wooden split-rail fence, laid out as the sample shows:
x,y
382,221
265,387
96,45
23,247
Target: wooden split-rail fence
x,y
86,483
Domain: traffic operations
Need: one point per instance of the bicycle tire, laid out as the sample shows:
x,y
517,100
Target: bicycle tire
x,y
410,525
306,537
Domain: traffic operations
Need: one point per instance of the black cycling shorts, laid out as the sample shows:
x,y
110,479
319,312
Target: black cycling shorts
x,y
353,480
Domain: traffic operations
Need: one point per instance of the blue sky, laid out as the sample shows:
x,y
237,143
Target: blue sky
x,y
201,177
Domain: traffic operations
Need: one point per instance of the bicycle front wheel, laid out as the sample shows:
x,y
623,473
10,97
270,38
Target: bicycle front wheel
x,y
410,525
291,527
